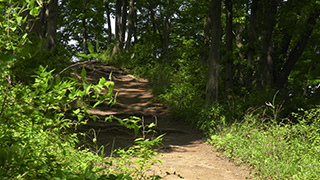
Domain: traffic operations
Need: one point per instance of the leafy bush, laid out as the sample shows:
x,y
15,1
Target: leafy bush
x,y
185,92
211,119
31,58
38,137
36,140
38,121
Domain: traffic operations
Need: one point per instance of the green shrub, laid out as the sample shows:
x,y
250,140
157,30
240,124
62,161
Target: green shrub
x,y
31,58
38,136
185,93
35,135
38,119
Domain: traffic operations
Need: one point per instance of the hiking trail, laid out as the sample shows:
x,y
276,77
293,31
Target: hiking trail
x,y
185,154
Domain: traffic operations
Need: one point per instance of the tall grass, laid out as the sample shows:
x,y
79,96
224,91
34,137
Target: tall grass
x,y
274,150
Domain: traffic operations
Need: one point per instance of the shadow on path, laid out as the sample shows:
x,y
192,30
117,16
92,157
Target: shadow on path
x,y
184,151
133,99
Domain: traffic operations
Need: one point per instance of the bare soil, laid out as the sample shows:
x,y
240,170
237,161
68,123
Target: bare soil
x,y
185,155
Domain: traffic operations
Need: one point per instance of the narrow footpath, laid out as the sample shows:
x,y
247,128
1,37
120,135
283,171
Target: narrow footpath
x,y
185,155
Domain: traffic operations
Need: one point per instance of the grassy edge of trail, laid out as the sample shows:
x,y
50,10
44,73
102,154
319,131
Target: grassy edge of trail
x,y
274,150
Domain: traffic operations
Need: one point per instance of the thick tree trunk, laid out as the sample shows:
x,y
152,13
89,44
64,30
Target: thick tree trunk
x,y
123,22
44,26
251,45
207,27
52,24
265,71
109,30
229,47
214,55
167,30
154,27
130,23
239,44
116,48
36,25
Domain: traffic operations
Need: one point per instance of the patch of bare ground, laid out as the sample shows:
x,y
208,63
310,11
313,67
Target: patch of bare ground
x,y
184,153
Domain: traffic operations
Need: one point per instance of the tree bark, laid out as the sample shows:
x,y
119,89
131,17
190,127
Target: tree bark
x,y
206,35
44,26
116,48
155,25
155,28
36,25
265,71
123,22
109,30
52,24
229,47
239,39
131,21
84,30
214,55
251,45
167,30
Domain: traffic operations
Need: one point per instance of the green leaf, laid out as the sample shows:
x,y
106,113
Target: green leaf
x,y
87,90
97,46
34,11
76,111
110,76
83,74
90,48
19,18
102,81
84,56
40,2
94,55
25,35
97,103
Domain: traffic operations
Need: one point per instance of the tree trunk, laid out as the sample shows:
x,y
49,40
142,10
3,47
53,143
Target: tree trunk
x,y
109,30
206,36
229,47
35,27
44,26
123,23
84,30
167,29
116,48
251,45
130,23
155,28
265,71
239,44
52,24
214,55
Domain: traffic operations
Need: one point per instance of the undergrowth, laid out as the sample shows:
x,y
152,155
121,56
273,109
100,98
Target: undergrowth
x,y
275,150
38,132
39,119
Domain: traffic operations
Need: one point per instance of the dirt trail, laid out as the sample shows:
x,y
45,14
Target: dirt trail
x,y
185,155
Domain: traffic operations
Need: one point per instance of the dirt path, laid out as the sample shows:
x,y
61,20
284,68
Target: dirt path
x,y
185,155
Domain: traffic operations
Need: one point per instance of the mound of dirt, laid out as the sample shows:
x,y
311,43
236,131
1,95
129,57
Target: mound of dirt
x,y
185,155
